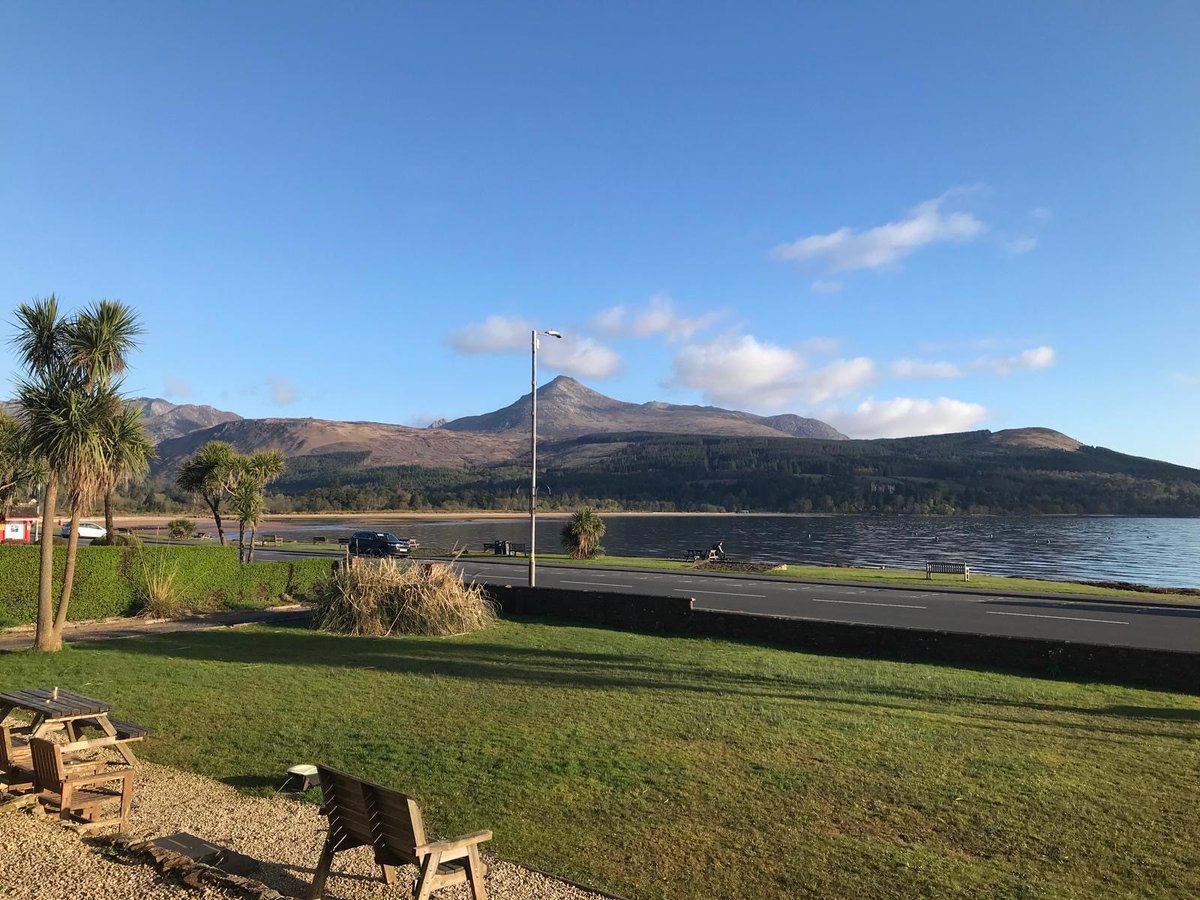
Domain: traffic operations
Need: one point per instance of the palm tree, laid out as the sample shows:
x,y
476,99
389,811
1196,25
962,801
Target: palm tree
x,y
40,347
63,427
128,450
248,494
98,343
210,474
67,405
581,535
248,504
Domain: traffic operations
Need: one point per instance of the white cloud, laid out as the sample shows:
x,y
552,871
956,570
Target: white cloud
x,y
919,368
283,392
906,416
495,334
1020,245
582,357
177,388
746,373
847,250
827,287
658,316
1040,214
1027,361
1186,379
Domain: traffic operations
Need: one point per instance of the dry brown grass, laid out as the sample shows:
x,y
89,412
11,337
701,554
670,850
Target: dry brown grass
x,y
376,599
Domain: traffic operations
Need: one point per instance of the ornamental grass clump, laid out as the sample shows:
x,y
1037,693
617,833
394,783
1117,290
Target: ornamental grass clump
x,y
377,599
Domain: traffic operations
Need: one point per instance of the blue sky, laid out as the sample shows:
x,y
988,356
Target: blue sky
x,y
899,218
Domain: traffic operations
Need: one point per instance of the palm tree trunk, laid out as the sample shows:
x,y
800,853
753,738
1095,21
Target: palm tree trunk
x,y
108,516
241,542
64,600
253,532
216,511
45,639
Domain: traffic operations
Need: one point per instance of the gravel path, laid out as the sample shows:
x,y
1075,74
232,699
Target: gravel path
x,y
41,859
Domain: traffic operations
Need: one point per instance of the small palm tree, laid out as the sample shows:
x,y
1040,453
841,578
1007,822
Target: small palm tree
x,y
128,451
210,474
581,535
250,500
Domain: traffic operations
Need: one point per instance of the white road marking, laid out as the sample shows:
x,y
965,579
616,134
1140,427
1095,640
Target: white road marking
x,y
868,603
1070,618
598,583
719,593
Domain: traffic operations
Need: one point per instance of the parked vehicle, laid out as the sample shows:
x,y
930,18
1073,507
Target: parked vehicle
x,y
378,543
87,530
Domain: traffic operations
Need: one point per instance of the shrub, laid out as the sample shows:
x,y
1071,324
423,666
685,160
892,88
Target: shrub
x,y
581,535
405,598
159,593
181,528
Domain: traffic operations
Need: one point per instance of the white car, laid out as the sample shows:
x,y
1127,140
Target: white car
x,y
87,530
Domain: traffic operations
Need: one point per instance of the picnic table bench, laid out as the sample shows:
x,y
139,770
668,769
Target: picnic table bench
x,y
55,709
506,548
944,568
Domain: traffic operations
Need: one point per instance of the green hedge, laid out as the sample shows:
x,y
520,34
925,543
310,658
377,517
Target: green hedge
x,y
109,581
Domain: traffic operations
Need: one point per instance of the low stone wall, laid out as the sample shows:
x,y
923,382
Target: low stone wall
x,y
1167,670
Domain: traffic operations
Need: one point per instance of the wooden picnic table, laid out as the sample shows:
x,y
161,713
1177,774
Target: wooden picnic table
x,y
55,709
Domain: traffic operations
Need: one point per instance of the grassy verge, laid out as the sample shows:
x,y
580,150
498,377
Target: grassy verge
x,y
679,768
882,577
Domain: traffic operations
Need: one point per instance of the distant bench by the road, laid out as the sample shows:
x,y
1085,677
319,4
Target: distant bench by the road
x,y
942,568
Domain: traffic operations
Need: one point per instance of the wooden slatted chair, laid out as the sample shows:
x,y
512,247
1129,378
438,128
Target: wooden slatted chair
x,y
16,760
363,814
81,794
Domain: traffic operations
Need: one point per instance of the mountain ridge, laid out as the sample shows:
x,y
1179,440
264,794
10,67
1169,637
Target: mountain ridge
x,y
567,408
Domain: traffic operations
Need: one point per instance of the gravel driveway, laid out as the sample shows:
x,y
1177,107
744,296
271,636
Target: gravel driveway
x,y
40,859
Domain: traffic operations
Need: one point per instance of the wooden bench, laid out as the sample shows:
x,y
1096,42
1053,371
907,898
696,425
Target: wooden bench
x,y
81,795
941,568
320,539
16,761
126,731
271,539
363,814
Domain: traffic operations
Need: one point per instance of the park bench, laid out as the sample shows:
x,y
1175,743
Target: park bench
x,y
271,539
942,568
320,539
363,814
81,795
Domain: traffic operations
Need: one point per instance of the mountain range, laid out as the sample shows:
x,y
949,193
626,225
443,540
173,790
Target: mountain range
x,y
596,449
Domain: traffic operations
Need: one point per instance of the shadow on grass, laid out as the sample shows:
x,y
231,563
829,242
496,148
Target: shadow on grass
x,y
502,663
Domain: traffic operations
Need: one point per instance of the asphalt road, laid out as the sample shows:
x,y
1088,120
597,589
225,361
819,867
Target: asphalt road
x,y
1081,621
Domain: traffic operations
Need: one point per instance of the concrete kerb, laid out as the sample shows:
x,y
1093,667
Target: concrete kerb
x,y
787,579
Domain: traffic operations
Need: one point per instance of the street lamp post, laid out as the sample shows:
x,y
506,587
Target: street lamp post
x,y
533,460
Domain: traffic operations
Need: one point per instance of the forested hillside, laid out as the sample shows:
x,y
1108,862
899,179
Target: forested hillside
x,y
976,472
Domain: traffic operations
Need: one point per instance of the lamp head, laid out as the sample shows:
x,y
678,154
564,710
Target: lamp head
x,y
556,334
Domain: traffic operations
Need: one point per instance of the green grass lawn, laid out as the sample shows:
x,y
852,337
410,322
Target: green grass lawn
x,y
680,768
